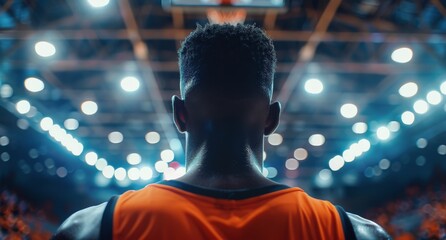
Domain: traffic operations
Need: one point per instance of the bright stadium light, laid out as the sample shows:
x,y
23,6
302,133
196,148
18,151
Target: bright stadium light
x,y
408,89
393,126
108,171
33,84
134,158
115,137
402,55
275,139
71,124
161,166
336,163
356,149
434,97
46,123
130,84
421,107
348,155
98,3
383,133
349,110
300,154
146,173
314,86
364,145
443,88
359,128
101,164
134,173
120,174
89,107
167,155
23,106
292,164
408,117
153,137
91,158
316,140
45,49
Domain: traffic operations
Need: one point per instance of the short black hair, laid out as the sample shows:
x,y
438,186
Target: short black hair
x,y
240,57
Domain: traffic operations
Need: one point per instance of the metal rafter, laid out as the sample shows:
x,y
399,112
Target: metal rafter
x,y
276,35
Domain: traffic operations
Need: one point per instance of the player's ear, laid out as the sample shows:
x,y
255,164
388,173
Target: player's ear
x,y
273,118
179,113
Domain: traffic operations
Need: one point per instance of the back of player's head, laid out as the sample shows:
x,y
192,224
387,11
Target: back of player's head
x,y
232,60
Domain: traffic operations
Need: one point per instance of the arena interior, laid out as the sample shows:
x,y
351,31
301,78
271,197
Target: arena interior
x,y
86,88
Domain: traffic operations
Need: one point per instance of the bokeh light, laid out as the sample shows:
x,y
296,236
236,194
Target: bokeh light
x,y
98,3
349,110
167,155
45,49
130,84
292,164
46,123
300,154
383,133
408,117
275,139
402,55
134,158
316,140
359,128
71,124
89,107
421,107
314,86
434,97
408,90
115,137
23,106
152,137
33,84
336,163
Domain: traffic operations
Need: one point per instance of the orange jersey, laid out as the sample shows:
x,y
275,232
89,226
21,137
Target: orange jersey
x,y
176,210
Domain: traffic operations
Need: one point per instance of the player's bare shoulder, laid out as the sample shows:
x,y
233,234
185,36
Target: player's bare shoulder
x,y
366,229
83,224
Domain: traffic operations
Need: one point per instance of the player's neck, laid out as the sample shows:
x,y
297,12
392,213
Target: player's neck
x,y
234,167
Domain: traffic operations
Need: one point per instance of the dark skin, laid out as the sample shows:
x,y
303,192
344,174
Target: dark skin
x,y
224,148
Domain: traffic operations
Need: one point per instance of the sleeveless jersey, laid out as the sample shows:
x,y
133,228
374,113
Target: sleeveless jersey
x,y
176,210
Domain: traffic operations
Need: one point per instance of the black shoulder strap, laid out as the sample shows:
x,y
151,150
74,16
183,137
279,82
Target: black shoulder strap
x,y
349,233
106,231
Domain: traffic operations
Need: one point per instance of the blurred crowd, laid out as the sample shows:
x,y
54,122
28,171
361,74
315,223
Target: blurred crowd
x,y
420,214
20,221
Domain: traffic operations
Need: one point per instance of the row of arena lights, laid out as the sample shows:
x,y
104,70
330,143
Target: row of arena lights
x,y
128,84
73,145
350,110
384,132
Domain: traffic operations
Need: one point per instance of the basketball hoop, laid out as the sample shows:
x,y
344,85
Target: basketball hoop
x,y
230,16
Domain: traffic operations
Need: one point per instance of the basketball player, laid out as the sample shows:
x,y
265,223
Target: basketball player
x,y
225,110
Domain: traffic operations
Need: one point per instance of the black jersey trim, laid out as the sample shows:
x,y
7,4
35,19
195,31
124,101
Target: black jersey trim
x,y
237,194
106,231
347,226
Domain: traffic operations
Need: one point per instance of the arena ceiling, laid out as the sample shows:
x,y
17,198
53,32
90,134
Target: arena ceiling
x,y
347,45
